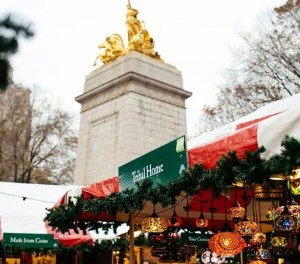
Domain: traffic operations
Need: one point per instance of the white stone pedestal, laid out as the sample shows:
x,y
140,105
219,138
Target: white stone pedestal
x,y
129,107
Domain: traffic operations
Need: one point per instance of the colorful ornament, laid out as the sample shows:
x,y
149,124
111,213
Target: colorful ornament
x,y
211,257
226,243
246,227
201,222
236,212
287,219
279,241
258,239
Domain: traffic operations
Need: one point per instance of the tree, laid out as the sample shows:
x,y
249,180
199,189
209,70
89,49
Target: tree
x,y
10,32
38,142
14,131
267,69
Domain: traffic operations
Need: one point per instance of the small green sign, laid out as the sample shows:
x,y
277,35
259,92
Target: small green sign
x,y
160,166
195,239
29,240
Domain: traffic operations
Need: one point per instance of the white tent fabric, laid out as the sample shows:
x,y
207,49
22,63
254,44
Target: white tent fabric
x,y
23,207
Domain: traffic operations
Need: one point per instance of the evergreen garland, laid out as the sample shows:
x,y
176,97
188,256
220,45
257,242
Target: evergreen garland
x,y
252,170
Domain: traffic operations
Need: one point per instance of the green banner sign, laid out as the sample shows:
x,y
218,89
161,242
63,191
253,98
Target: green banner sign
x,y
22,240
195,239
160,166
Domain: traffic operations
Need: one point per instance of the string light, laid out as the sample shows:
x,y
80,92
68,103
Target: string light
x,y
24,198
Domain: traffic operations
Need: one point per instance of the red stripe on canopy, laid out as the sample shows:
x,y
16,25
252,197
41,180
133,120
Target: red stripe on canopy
x,y
240,141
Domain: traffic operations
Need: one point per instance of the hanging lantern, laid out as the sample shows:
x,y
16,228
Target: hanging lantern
x,y
294,209
236,212
175,220
286,220
201,221
279,241
264,253
285,223
154,224
258,239
246,227
226,243
284,243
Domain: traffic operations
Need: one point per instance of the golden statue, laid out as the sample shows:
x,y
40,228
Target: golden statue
x,y
139,39
112,48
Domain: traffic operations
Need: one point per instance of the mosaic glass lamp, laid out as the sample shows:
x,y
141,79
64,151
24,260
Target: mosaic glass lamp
x,y
258,239
246,227
236,212
285,221
154,223
226,243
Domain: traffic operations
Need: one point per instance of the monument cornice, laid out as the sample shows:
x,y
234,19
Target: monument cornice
x,y
132,77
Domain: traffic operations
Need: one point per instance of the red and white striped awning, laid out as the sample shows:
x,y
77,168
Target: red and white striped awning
x,y
265,127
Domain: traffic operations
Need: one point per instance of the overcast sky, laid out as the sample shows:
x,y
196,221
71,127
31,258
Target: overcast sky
x,y
195,36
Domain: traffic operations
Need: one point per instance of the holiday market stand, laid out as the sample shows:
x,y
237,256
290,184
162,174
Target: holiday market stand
x,y
245,153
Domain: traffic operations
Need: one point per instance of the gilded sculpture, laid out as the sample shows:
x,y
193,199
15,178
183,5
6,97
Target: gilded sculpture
x,y
139,40
112,48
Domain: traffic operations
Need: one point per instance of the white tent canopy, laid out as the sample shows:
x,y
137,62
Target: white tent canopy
x,y
23,207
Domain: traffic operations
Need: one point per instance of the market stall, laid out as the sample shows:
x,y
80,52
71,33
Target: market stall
x,y
231,154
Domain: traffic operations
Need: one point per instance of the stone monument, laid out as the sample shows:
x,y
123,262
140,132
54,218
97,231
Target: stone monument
x,y
131,105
